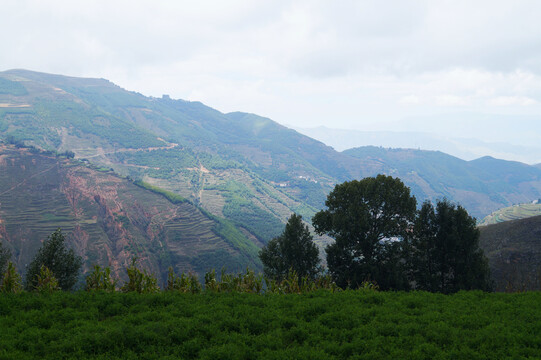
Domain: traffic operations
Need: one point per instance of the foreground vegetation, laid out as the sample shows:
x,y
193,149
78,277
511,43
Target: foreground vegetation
x,y
321,325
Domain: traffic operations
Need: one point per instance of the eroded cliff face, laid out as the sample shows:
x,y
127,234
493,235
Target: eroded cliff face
x,y
107,219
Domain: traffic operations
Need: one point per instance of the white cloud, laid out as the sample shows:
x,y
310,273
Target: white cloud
x,y
512,101
451,100
410,99
350,64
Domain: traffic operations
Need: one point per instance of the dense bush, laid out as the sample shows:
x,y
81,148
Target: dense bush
x,y
10,281
186,283
139,281
320,325
45,281
100,280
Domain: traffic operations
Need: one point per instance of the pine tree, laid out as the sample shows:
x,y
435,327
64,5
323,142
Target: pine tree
x,y
55,256
293,250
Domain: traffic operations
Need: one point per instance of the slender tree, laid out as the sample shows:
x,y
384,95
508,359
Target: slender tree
x,y
368,219
294,249
11,280
5,256
55,256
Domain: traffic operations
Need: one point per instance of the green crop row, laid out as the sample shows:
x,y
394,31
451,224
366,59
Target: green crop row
x,y
320,325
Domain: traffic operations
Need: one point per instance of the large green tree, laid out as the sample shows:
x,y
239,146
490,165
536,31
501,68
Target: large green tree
x,y
293,249
443,250
54,255
368,219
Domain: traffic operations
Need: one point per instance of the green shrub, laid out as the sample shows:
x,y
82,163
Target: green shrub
x,y
185,283
139,281
320,325
293,284
368,286
247,282
45,281
100,280
11,280
211,284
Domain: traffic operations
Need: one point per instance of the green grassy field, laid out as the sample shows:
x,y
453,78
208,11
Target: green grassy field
x,y
321,325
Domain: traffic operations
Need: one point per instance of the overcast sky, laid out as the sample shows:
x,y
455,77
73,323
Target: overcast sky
x,y
366,65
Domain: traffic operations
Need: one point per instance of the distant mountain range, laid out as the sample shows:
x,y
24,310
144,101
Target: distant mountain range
x,y
243,171
479,185
461,147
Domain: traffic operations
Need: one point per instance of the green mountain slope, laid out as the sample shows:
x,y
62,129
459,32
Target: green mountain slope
x,y
108,219
242,167
230,164
514,252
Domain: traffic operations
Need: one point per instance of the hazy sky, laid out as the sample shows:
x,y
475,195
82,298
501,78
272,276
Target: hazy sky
x,y
343,64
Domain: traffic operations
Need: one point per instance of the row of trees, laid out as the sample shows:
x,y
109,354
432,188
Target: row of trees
x,y
56,268
381,238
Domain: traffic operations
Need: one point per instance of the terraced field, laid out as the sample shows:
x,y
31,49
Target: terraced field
x,y
515,212
108,219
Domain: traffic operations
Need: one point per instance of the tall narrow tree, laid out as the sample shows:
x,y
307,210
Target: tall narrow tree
x,y
5,256
293,249
55,256
444,254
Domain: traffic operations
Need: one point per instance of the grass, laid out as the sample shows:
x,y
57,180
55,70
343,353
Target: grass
x,y
321,325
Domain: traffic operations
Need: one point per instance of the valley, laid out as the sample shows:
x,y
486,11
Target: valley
x,y
229,180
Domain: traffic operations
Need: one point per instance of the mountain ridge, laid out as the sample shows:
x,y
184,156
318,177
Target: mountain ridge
x,y
243,169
